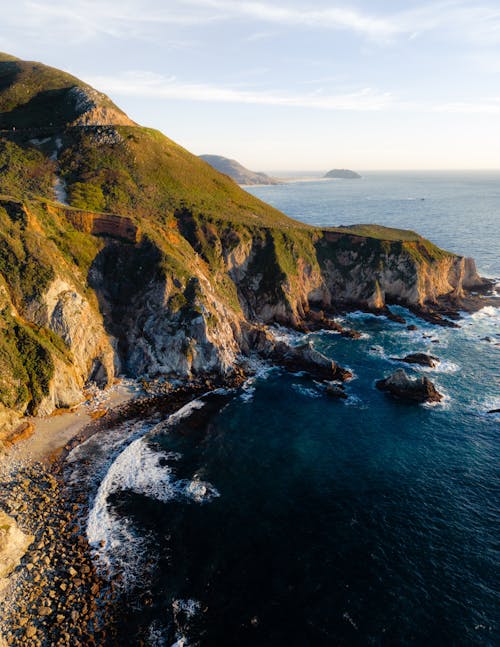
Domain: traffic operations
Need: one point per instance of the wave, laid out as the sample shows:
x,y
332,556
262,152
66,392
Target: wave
x,y
143,470
291,337
306,391
481,408
444,404
488,312
355,401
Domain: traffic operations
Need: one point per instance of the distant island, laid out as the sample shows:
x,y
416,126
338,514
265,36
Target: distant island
x,y
342,174
237,172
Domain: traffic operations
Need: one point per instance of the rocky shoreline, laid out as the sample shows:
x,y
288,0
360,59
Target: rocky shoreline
x,y
57,597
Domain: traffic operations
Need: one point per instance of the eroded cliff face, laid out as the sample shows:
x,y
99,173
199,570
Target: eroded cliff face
x,y
67,313
155,263
187,299
373,272
164,323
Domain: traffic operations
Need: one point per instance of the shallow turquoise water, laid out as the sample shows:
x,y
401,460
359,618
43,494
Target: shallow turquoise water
x,y
288,518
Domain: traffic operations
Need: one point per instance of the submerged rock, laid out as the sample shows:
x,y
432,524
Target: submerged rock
x,y
400,385
13,545
335,391
423,359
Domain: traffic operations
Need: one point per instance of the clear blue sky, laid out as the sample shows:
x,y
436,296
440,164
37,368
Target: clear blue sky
x,y
288,84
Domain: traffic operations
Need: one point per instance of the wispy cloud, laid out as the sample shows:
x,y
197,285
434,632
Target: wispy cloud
x,y
151,85
146,84
469,18
477,20
334,17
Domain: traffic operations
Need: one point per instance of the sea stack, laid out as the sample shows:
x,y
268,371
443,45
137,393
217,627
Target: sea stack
x,y
400,385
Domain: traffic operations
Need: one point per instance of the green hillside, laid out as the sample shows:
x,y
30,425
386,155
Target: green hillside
x,y
205,260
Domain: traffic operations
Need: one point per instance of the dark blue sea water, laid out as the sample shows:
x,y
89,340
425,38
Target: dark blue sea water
x,y
275,516
459,211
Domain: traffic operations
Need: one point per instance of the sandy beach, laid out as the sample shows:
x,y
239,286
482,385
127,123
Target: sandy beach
x,y
52,433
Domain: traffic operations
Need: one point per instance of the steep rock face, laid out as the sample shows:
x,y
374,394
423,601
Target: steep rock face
x,y
93,108
163,324
375,272
99,224
197,339
69,315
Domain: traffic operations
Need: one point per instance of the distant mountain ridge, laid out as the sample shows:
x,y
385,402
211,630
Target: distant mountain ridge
x,y
237,171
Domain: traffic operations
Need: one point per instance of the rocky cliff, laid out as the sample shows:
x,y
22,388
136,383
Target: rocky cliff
x,y
158,264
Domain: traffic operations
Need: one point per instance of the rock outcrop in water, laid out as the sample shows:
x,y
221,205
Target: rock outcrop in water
x,y
422,359
301,357
342,174
159,264
419,389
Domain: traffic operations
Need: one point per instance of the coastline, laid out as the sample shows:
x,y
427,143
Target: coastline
x,y
58,562
57,590
56,596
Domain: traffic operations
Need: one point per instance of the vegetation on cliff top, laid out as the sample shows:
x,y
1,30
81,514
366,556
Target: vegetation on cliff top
x,y
190,218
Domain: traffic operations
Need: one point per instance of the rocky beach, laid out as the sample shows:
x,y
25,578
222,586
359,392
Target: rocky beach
x,y
55,596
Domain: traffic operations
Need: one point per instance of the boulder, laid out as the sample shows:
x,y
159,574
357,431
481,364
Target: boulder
x,y
306,358
423,359
13,544
400,385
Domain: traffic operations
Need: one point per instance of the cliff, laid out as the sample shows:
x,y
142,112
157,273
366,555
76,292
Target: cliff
x,y
159,264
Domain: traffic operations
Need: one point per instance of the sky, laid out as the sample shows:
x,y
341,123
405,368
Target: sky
x,y
289,84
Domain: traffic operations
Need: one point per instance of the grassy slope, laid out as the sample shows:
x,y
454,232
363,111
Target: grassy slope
x,y
33,94
187,210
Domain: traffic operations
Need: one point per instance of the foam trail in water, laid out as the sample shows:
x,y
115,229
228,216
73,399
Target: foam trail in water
x,y
145,471
306,391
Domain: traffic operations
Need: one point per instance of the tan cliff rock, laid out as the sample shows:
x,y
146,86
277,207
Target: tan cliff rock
x,y
13,545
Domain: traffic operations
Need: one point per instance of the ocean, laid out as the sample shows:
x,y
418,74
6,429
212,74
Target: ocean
x,y
276,516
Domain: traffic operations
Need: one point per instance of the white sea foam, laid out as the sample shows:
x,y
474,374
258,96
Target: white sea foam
x,y
355,401
142,470
481,407
261,371
155,636
91,459
188,607
360,314
488,312
291,337
306,391
183,611
248,393
445,403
